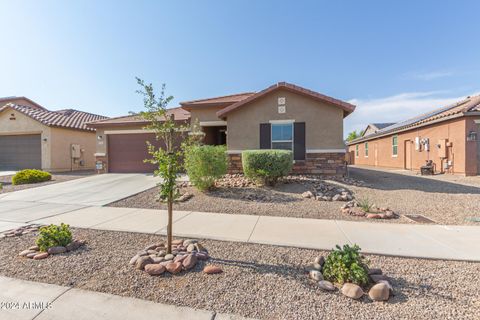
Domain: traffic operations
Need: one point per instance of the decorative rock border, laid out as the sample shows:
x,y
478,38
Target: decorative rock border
x,y
34,252
155,261
381,289
352,208
20,231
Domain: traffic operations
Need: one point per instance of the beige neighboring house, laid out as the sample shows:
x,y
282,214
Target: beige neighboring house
x,y
282,116
32,137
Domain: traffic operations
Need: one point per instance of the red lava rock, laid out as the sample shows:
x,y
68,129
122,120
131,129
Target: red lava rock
x,y
212,269
40,256
174,267
189,262
177,242
154,269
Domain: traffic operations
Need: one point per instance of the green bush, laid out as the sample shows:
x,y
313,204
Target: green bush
x,y
205,164
52,236
346,265
31,176
266,166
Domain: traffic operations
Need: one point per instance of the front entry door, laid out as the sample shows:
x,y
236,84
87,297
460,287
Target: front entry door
x,y
408,155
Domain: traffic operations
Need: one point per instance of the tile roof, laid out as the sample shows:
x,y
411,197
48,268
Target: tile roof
x,y
232,98
347,107
179,114
461,108
12,99
68,118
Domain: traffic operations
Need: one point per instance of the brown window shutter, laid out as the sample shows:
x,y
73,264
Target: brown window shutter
x,y
299,141
265,136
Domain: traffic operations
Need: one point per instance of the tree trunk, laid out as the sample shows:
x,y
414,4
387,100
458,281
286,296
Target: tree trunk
x,y
169,226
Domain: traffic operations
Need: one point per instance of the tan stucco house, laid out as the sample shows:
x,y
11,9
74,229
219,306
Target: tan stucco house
x,y
448,136
282,116
32,137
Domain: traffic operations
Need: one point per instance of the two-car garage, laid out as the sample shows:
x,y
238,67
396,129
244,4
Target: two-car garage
x,y
20,152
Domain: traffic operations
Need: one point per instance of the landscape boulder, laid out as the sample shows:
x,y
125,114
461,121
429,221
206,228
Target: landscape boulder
x,y
352,290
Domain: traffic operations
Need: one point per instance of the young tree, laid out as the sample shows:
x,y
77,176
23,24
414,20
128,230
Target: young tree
x,y
167,157
353,135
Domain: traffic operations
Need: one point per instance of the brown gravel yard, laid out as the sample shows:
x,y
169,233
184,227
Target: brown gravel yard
x,y
259,281
445,200
6,181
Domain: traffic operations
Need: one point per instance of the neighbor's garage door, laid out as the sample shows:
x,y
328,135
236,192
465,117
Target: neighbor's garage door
x,y
126,153
20,152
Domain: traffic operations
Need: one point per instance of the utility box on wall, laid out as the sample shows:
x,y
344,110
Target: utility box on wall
x,y
76,152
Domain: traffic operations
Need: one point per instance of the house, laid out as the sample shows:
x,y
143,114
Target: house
x,y
32,137
282,116
375,127
447,136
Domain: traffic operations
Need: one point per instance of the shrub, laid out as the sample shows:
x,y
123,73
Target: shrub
x,y
205,164
31,176
266,166
52,236
346,265
365,204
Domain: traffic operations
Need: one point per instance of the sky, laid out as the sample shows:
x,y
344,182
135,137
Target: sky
x,y
393,60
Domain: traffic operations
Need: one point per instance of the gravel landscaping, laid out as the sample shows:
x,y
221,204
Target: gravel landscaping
x,y
6,181
449,200
258,281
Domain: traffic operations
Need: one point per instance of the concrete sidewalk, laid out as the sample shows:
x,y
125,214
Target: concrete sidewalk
x,y
409,240
26,300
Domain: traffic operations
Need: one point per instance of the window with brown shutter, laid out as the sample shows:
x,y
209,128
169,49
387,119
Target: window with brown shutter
x,y
265,136
299,141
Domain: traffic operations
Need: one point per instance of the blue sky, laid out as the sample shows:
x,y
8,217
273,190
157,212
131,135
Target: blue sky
x,y
393,60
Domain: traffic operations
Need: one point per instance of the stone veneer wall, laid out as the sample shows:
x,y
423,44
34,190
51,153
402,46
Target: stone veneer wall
x,y
315,163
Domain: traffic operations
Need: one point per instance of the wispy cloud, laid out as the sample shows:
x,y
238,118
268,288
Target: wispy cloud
x,y
427,76
396,108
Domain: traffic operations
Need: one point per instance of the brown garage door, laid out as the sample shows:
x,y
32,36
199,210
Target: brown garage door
x,y
20,152
126,153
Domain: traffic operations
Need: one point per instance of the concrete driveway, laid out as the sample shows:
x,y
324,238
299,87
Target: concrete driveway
x,y
92,191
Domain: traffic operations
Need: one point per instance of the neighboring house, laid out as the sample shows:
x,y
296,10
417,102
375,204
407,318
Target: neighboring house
x,y
32,137
448,136
282,116
375,127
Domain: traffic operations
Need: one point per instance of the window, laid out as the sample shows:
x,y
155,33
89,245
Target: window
x,y
282,136
356,150
366,149
394,146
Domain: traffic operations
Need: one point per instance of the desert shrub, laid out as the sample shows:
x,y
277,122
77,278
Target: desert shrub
x,y
31,176
365,204
266,166
53,235
205,164
346,265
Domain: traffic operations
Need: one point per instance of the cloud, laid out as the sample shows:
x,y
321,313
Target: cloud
x,y
427,76
395,108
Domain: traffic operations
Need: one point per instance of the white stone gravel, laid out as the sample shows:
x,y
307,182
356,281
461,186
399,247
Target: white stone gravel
x,y
258,281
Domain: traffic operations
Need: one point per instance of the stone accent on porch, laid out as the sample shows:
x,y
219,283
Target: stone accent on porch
x,y
328,164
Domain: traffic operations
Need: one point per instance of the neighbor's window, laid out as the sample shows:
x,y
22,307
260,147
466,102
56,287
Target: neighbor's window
x,y
282,136
366,149
356,150
394,145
